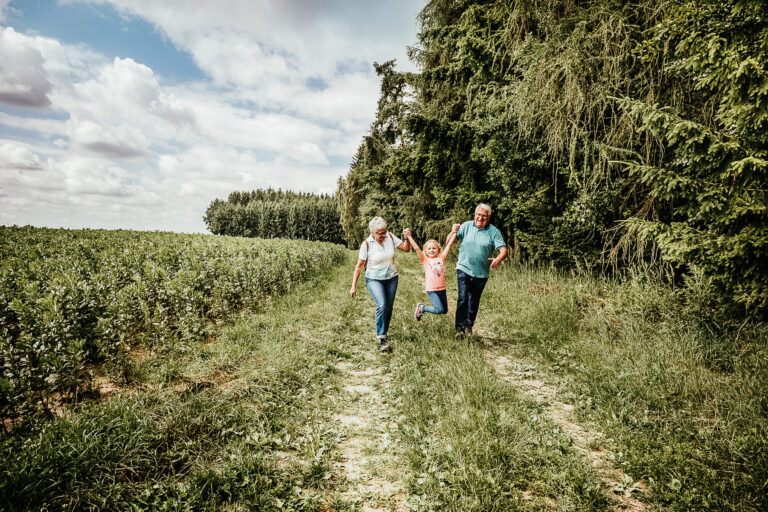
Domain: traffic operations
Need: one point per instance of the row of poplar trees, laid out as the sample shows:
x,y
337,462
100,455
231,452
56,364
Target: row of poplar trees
x,y
268,213
603,133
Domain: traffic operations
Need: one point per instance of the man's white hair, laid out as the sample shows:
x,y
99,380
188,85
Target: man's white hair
x,y
483,206
376,224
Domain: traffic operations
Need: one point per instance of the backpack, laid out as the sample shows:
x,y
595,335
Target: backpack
x,y
368,248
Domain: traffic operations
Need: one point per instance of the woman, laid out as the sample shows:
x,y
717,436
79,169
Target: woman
x,y
377,256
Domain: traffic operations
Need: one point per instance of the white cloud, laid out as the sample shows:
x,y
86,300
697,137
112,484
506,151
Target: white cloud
x,y
120,109
309,37
107,141
96,177
4,9
42,126
23,79
126,148
233,58
16,156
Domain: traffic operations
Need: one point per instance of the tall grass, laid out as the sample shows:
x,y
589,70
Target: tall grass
x,y
472,441
682,396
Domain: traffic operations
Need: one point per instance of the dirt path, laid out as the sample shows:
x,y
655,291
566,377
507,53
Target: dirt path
x,y
367,456
525,376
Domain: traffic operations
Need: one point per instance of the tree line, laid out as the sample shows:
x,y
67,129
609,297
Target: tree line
x,y
268,213
604,134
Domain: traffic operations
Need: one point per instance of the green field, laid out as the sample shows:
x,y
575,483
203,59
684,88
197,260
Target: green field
x,y
72,299
573,394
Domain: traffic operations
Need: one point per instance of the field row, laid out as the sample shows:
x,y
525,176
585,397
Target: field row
x,y
69,299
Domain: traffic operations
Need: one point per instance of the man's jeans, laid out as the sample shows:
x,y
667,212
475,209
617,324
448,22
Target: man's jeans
x,y
383,293
470,290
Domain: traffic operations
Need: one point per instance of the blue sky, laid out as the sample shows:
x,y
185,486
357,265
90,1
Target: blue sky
x,y
137,114
105,29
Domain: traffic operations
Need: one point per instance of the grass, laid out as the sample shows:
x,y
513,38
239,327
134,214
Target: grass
x,y
682,399
473,441
242,423
250,420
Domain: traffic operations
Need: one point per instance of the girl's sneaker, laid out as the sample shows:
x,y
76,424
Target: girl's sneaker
x,y
419,311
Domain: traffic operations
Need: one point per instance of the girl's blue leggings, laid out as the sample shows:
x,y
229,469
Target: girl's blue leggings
x,y
439,303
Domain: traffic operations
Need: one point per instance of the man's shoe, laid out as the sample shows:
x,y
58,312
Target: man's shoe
x,y
419,311
384,347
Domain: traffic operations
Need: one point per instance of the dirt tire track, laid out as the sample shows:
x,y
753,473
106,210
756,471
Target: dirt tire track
x,y
585,440
365,456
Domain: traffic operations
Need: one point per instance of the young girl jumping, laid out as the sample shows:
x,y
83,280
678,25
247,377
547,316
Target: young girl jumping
x,y
433,262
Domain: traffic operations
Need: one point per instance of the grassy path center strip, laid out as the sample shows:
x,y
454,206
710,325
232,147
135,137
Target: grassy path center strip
x,y
472,441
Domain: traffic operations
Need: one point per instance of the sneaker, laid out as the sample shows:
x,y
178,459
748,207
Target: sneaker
x,y
419,311
460,334
384,347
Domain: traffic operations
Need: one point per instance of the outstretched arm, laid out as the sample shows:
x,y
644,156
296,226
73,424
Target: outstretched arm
x,y
450,239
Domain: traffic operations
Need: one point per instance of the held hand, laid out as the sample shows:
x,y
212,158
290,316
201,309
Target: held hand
x,y
353,292
406,233
455,228
494,264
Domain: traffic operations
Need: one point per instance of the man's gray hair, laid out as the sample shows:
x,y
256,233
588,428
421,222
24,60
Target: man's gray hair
x,y
483,206
376,224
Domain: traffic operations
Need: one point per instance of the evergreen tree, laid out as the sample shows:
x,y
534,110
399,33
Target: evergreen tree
x,y
268,213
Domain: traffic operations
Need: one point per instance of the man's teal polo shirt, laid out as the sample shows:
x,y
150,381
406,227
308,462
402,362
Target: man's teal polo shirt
x,y
477,245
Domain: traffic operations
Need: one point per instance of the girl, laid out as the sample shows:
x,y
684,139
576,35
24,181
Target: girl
x,y
433,262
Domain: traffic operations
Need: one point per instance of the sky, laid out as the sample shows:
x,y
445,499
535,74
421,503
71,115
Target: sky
x,y
136,114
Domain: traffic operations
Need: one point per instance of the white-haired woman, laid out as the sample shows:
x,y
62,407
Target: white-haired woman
x,y
377,257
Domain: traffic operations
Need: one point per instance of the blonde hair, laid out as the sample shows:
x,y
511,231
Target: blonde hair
x,y
432,242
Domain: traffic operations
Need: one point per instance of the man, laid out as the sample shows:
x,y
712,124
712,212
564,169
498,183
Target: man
x,y
479,239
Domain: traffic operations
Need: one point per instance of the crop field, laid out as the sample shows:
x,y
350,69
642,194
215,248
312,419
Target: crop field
x,y
70,299
573,393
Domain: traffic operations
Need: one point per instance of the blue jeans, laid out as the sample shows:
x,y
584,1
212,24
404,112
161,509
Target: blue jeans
x,y
383,293
470,290
439,303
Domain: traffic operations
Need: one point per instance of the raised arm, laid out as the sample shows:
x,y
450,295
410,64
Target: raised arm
x,y
450,239
414,245
404,245
454,229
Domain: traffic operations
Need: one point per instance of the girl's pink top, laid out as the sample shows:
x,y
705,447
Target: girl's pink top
x,y
434,273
